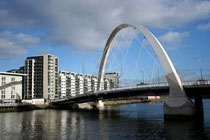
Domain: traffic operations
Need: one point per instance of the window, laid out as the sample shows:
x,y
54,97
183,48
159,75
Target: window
x,y
3,94
12,79
3,81
12,92
3,78
12,96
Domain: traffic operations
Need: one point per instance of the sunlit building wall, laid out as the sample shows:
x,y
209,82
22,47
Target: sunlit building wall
x,y
10,87
42,79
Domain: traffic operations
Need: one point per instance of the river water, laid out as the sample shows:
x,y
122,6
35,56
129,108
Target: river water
x,y
135,121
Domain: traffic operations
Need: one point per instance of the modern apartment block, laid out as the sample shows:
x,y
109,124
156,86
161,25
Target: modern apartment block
x,y
87,83
107,83
114,77
79,83
20,70
72,84
67,84
10,87
94,83
42,77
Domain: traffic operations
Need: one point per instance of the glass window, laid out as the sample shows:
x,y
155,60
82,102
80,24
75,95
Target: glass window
x,y
3,96
3,81
12,79
3,78
3,92
12,96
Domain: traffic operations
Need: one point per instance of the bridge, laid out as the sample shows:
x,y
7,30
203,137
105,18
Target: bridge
x,y
178,102
192,89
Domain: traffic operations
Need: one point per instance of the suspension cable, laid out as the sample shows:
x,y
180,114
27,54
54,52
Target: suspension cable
x,y
152,71
129,45
138,57
117,48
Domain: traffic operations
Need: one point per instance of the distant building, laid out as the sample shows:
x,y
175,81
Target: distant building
x,y
153,98
72,84
42,79
11,87
79,82
114,79
20,70
87,83
107,83
94,82
66,84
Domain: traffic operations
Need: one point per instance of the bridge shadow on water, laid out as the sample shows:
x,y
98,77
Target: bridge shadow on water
x,y
185,129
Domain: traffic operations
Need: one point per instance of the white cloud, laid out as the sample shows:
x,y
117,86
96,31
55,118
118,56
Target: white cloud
x,y
173,37
204,26
172,40
86,24
12,45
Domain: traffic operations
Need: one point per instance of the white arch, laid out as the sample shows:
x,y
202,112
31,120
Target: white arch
x,y
177,96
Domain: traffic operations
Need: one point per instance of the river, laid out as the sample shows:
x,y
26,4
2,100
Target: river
x,y
135,121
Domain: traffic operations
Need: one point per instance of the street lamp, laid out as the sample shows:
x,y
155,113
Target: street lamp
x,y
142,71
201,70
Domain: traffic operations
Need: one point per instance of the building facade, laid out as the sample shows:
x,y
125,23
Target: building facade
x,y
42,77
79,83
94,83
72,84
114,79
20,70
11,85
87,83
67,84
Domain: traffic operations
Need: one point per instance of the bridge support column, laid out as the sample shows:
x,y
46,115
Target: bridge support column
x,y
174,108
100,104
177,105
199,107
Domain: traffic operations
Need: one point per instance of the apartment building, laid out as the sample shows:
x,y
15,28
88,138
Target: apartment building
x,y
66,84
72,84
114,79
11,87
107,83
42,77
79,83
87,83
94,83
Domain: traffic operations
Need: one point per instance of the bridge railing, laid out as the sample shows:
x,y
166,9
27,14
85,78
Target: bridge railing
x,y
145,85
162,84
197,82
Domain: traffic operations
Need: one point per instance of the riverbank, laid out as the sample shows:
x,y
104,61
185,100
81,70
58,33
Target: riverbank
x,y
90,105
15,107
122,101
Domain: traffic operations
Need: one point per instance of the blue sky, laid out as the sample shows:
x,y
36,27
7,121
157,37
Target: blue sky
x,y
76,31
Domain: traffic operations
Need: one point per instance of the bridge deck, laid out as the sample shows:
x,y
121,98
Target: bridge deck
x,y
143,90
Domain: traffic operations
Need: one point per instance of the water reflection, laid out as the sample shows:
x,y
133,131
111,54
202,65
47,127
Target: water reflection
x,y
140,121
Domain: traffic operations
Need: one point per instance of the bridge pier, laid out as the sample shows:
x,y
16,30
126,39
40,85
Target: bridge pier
x,y
199,107
179,107
100,104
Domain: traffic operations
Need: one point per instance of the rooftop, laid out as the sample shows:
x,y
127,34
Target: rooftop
x,y
14,74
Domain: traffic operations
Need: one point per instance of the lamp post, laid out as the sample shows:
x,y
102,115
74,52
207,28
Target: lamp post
x,y
158,76
201,70
142,75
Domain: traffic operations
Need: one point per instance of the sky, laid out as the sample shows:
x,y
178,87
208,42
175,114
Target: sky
x,y
76,31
